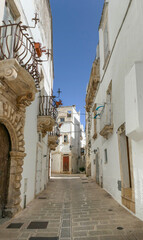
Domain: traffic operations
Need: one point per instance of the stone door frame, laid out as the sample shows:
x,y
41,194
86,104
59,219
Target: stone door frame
x,y
15,127
127,193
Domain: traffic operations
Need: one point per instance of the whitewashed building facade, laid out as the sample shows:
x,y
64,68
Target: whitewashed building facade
x,y
67,156
116,133
27,111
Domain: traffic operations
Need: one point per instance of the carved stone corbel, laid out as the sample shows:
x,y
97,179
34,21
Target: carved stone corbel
x,y
45,124
52,139
10,73
25,100
18,80
2,88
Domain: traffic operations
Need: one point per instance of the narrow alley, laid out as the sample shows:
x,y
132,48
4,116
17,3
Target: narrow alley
x,y
68,209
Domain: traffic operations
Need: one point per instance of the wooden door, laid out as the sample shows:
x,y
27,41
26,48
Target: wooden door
x,y
5,147
66,163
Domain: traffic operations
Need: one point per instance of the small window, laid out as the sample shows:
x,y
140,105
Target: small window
x,y
65,138
69,114
62,119
106,157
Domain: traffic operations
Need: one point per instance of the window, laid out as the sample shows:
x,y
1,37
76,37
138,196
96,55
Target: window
x,y
106,157
65,138
105,31
62,119
69,114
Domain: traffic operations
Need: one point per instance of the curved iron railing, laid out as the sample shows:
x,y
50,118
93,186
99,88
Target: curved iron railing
x,y
55,132
16,43
47,106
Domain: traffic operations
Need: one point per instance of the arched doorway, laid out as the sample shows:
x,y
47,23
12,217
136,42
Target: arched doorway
x,y
5,148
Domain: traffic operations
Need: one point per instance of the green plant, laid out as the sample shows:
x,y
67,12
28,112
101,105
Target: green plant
x,y
82,169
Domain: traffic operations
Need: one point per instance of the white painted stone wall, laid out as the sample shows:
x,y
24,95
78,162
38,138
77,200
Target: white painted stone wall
x,y
134,102
70,127
43,34
126,47
56,162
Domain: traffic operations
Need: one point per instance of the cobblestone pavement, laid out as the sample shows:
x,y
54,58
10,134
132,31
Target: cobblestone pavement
x,y
75,209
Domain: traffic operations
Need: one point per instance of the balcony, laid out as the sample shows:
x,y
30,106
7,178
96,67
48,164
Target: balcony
x,y
47,114
106,124
53,137
93,84
18,62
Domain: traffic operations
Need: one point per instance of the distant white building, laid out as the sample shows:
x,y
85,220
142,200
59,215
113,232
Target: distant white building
x,y
27,111
114,105
67,156
82,165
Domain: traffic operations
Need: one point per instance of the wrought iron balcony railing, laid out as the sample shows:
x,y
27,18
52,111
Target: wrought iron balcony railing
x,y
55,132
47,107
16,43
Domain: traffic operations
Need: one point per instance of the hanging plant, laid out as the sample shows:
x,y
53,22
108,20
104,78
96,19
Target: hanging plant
x,y
59,103
38,49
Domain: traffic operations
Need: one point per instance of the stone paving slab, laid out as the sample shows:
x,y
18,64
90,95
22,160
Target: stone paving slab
x,y
75,211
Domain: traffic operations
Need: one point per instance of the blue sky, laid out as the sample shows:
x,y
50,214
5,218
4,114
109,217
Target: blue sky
x,y
75,37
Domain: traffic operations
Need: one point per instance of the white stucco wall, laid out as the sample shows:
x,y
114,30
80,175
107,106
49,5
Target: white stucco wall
x,y
134,101
56,162
138,176
128,49
26,11
29,167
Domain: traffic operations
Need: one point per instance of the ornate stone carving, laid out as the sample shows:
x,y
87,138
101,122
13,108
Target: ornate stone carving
x,y
121,129
45,124
10,73
25,100
93,84
52,139
13,204
106,131
17,78
17,121
17,90
2,88
53,147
